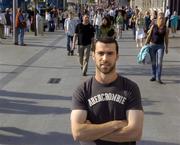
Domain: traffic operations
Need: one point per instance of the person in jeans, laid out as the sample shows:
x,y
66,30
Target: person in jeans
x,y
69,28
85,33
8,23
20,27
159,44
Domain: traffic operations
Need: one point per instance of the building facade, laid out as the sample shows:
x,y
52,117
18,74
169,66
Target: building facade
x,y
23,3
148,4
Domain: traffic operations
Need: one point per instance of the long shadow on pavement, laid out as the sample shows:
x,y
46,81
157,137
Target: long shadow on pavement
x,y
25,137
149,142
4,93
139,70
11,104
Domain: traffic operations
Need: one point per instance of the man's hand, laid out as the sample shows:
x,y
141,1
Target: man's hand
x,y
73,46
116,124
166,50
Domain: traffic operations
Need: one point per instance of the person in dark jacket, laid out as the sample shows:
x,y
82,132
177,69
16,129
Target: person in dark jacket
x,y
159,44
8,23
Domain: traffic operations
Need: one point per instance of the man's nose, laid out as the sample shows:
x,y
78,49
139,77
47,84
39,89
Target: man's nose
x,y
105,56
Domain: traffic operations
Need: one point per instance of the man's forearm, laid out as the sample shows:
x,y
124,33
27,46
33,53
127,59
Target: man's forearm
x,y
131,132
91,132
125,134
74,39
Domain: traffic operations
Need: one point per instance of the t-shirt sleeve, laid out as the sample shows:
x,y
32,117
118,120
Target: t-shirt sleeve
x,y
77,29
134,99
78,99
93,30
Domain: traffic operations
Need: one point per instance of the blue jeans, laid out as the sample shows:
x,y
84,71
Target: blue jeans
x,y
97,29
156,52
69,42
20,33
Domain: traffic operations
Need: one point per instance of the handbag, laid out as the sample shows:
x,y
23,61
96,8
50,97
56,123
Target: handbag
x,y
22,24
149,35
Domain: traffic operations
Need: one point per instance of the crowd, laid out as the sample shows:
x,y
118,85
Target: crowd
x,y
50,20
147,29
89,24
107,108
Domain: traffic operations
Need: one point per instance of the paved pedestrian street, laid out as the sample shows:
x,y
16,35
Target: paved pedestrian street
x,y
37,82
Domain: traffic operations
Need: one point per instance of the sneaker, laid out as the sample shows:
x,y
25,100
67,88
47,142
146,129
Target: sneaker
x,y
160,82
15,43
68,53
72,52
84,74
153,79
23,44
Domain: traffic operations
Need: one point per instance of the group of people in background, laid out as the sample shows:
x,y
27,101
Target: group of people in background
x,y
94,23
48,20
97,24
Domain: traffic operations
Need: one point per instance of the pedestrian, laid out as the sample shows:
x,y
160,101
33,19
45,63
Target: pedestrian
x,y
119,24
8,23
107,107
174,23
85,33
106,29
20,27
158,36
97,21
147,20
167,15
2,24
132,24
69,28
140,34
39,24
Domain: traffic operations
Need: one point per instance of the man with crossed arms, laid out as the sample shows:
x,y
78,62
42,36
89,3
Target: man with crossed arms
x,y
107,107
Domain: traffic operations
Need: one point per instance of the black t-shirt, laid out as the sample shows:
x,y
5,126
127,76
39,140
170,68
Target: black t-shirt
x,y
85,33
107,102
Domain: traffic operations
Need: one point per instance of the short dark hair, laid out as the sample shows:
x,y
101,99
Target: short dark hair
x,y
106,40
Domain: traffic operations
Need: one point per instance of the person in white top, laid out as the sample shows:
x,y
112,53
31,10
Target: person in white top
x,y
167,14
91,16
69,28
39,24
97,22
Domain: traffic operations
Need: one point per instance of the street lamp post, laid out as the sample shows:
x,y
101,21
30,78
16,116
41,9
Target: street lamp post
x,y
35,30
15,37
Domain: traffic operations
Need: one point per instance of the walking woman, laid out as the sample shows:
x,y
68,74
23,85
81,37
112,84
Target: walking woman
x,y
119,24
106,29
140,34
159,43
174,23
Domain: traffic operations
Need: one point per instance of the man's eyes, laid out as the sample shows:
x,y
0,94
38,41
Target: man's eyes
x,y
104,53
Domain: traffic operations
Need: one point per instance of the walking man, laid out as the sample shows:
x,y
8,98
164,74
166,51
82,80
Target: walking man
x,y
20,27
69,28
85,33
107,108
